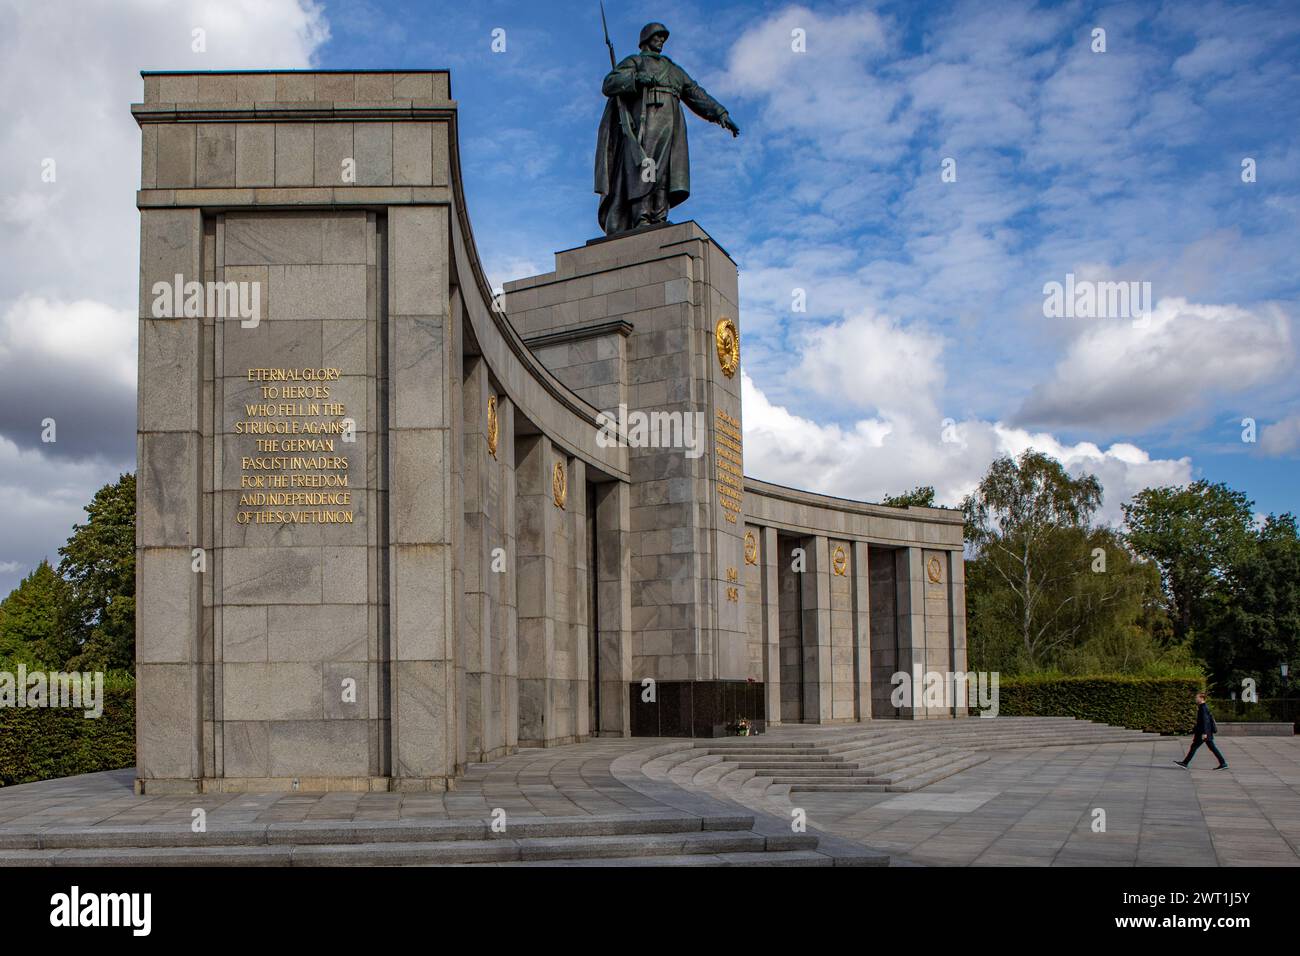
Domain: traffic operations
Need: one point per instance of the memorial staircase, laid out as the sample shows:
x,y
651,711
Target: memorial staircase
x,y
882,756
638,839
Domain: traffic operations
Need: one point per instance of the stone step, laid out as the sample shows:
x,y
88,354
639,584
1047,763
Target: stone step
x,y
402,854
1040,739
912,779
763,750
805,778
1043,735
764,858
791,764
685,771
918,768
912,762
744,743
783,758
368,832
815,771
734,776
864,754
938,773
661,765
858,743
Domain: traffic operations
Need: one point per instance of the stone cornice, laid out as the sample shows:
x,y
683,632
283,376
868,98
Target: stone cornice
x,y
578,332
386,111
764,489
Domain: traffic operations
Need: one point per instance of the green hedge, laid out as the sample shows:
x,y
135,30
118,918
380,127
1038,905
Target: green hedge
x,y
1165,705
38,743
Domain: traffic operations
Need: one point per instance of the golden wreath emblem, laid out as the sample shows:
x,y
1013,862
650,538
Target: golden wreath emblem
x,y
493,426
559,484
934,570
751,548
728,346
839,561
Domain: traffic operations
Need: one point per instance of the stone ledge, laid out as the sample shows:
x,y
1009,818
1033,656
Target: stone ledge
x,y
579,332
322,196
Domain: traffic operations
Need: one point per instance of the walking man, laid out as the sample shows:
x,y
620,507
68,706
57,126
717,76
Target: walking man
x,y
1204,731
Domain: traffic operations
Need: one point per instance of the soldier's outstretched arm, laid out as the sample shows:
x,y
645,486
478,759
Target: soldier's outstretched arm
x,y
706,107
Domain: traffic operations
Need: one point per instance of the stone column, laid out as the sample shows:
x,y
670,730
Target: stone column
x,y
911,623
576,687
769,555
536,516
505,584
938,636
481,717
425,511
861,574
957,610
816,585
614,606
172,386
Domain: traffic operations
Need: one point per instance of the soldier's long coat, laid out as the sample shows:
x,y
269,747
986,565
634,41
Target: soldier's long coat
x,y
618,172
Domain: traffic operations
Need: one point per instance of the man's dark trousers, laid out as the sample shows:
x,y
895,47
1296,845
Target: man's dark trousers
x,y
1196,744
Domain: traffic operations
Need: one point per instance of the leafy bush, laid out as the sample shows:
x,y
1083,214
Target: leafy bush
x,y
39,743
1165,705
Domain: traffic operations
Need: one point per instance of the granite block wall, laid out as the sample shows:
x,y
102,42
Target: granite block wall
x,y
633,318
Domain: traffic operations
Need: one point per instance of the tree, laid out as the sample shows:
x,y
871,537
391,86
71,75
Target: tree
x,y
1117,621
1257,627
921,496
1025,522
1195,534
33,620
99,564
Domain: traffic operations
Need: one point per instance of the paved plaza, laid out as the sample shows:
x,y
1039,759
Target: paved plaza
x,y
1035,807
1027,806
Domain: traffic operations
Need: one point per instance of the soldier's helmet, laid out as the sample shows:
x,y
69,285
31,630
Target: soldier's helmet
x,y
649,30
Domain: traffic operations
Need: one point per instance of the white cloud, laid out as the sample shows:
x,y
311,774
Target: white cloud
x,y
74,363
806,93
89,338
70,282
1282,437
893,453
1129,375
871,361
69,81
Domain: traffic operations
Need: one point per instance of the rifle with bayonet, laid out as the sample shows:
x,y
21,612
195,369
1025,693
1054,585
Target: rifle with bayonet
x,y
624,120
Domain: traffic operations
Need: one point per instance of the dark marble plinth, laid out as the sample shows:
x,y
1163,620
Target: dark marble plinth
x,y
708,708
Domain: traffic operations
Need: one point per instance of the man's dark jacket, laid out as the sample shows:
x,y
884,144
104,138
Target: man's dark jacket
x,y
1205,725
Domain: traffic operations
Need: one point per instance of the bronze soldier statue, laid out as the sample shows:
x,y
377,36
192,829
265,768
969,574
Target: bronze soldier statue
x,y
642,164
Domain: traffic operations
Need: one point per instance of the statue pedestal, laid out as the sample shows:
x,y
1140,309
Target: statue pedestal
x,y
633,324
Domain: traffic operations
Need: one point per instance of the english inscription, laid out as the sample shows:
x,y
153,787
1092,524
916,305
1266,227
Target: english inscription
x,y
297,470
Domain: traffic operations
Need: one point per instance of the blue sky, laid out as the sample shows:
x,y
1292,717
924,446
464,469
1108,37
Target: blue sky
x,y
1122,164
923,351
